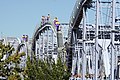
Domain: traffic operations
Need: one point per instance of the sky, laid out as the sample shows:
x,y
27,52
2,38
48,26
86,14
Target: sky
x,y
19,17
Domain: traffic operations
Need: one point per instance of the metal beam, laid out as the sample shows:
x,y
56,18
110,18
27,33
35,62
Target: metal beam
x,y
112,39
96,40
84,46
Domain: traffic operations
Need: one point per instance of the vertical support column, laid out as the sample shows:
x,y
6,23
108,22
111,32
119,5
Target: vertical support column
x,y
112,39
39,46
52,42
74,57
56,43
76,53
25,49
36,48
78,62
96,40
43,44
84,54
47,41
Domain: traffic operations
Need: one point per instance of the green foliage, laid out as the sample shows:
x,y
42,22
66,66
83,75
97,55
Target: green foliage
x,y
46,70
35,70
11,73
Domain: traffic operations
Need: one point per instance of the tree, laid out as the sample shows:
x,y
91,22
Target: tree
x,y
9,62
46,70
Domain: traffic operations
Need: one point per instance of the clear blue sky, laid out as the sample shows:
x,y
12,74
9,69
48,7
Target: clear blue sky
x,y
18,17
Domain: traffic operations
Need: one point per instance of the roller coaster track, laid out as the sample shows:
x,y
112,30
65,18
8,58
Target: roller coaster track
x,y
44,42
76,17
22,48
81,61
85,60
39,30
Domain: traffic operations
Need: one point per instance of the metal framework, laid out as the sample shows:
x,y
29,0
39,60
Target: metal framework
x,y
93,49
44,41
90,48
